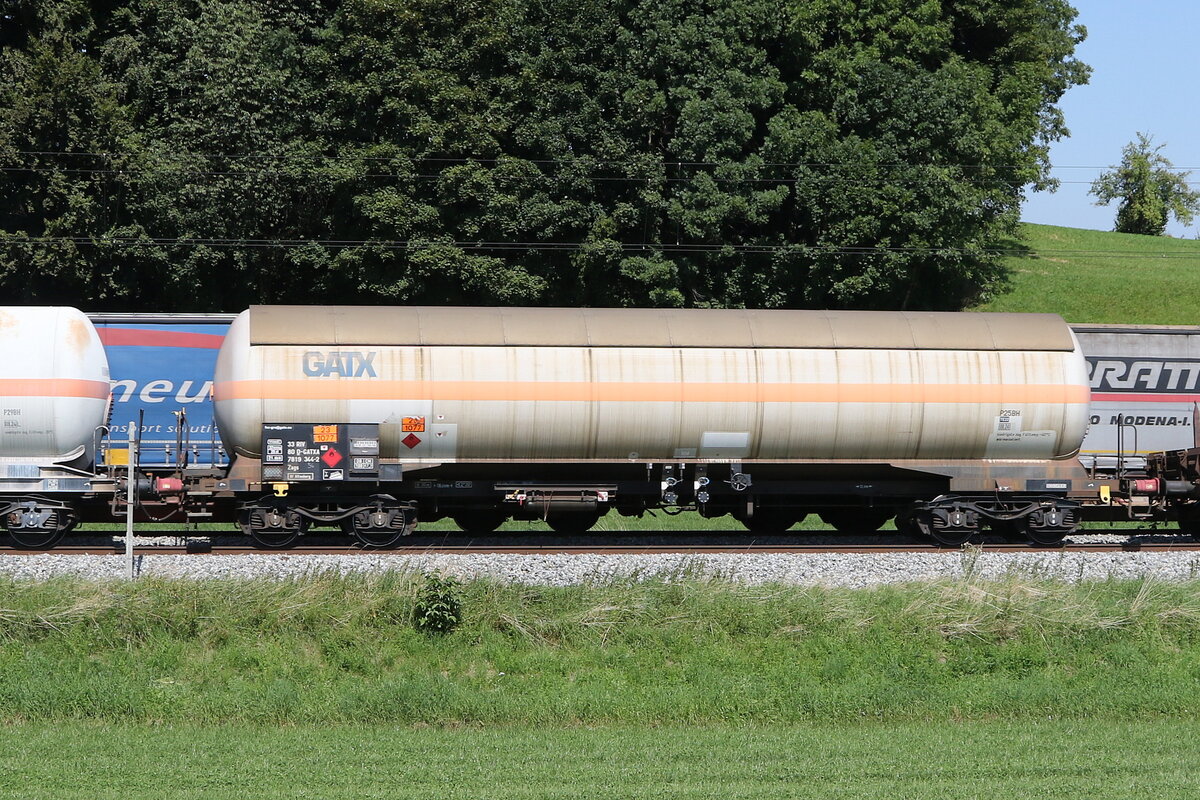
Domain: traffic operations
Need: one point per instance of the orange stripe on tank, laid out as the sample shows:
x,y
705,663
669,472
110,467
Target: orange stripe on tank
x,y
53,387
584,391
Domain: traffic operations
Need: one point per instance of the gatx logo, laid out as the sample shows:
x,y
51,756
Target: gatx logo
x,y
342,363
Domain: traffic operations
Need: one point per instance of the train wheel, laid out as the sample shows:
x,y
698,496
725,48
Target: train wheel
x,y
378,540
280,539
272,528
479,520
36,538
381,528
572,523
952,537
1189,522
947,536
38,528
855,520
1048,527
1047,537
772,521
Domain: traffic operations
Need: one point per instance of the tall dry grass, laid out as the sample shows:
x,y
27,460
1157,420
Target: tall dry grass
x,y
342,648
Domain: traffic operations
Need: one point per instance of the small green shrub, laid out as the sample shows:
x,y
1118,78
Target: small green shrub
x,y
437,608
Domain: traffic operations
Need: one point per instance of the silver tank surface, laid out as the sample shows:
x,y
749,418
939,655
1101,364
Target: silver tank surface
x,y
547,384
54,385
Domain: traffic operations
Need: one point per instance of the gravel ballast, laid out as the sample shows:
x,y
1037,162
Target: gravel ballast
x,y
823,569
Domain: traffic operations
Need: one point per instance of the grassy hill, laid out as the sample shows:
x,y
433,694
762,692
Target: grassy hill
x,y
1091,276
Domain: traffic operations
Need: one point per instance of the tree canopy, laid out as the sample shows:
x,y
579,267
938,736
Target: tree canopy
x,y
1149,188
207,154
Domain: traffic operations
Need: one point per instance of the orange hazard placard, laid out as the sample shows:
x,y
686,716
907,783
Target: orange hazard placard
x,y
324,433
412,425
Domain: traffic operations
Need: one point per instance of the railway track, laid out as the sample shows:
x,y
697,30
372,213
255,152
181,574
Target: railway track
x,y
469,548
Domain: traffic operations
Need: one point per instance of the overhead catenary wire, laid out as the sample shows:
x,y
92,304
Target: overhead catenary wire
x,y
541,177
700,169
637,246
582,159
426,244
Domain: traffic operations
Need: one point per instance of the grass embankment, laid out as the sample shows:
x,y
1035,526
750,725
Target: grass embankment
x,y
1092,276
323,688
342,650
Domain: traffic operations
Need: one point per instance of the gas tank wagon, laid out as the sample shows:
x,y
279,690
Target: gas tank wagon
x,y
485,413
54,400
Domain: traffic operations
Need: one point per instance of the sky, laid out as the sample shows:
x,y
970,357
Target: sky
x,y
1142,57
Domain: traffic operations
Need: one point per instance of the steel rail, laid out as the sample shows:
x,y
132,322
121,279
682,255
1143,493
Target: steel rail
x,y
205,548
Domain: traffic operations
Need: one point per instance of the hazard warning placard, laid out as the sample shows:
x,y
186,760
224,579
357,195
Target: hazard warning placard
x,y
412,425
299,452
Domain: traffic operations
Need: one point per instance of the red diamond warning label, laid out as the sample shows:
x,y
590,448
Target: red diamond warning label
x,y
331,457
411,441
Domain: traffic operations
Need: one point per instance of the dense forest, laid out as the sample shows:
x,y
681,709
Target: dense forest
x,y
207,154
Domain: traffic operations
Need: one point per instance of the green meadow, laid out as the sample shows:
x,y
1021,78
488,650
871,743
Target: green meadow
x,y
1098,277
323,687
1097,759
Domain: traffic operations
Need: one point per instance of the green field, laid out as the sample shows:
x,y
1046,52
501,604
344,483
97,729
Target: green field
x,y
1036,759
1092,276
322,688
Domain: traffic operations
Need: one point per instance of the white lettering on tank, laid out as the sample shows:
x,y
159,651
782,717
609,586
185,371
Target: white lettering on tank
x,y
128,387
159,391
147,396
182,395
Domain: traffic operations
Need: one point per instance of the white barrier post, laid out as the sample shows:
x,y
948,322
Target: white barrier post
x,y
130,490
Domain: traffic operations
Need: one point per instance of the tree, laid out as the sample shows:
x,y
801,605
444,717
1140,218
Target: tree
x,y
759,153
1149,190
207,154
55,102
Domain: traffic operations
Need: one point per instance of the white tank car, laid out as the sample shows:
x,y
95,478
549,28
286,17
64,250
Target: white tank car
x,y
583,385
54,385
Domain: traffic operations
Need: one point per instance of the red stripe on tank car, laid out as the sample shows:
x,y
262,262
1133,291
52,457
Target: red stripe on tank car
x,y
53,387
139,337
642,392
1118,397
